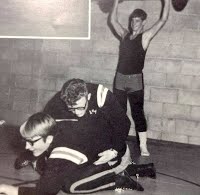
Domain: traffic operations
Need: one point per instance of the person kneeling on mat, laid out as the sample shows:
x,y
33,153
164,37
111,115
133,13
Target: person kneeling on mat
x,y
68,165
96,114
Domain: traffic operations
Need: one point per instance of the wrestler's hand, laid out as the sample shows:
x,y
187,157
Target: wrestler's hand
x,y
106,156
2,122
8,189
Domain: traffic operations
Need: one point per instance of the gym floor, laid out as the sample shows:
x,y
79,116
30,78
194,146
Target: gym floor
x,y
177,165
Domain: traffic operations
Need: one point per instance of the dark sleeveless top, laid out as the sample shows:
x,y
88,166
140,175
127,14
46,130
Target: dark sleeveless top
x,y
131,55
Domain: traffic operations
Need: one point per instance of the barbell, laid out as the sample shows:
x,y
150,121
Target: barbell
x,y
106,5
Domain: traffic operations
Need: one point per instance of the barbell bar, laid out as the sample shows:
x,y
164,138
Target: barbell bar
x,y
106,5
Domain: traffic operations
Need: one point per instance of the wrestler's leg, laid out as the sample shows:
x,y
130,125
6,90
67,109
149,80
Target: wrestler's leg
x,y
119,90
136,100
92,178
101,177
121,97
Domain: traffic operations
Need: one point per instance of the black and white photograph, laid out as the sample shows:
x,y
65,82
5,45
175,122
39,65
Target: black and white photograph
x,y
100,97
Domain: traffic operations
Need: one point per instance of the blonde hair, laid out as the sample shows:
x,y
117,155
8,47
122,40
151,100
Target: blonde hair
x,y
39,124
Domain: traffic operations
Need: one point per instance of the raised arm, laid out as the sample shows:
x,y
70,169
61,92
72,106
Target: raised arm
x,y
149,34
119,29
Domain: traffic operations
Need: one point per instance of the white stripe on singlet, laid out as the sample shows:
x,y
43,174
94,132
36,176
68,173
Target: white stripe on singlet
x,y
126,159
101,95
66,119
68,154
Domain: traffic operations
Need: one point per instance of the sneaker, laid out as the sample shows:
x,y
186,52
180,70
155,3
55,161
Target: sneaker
x,y
125,182
144,170
144,151
25,159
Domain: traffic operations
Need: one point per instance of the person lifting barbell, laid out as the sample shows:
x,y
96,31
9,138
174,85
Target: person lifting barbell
x,y
106,5
128,82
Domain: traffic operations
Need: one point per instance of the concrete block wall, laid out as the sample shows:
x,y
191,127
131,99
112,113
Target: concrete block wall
x,y
32,70
172,76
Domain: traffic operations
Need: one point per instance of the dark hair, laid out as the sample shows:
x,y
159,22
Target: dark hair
x,y
73,90
39,124
138,13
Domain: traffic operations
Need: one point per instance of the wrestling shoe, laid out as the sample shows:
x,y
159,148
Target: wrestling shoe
x,y
143,170
25,159
125,182
143,144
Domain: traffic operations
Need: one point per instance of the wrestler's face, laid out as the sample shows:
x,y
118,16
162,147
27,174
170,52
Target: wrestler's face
x,y
137,24
80,107
38,145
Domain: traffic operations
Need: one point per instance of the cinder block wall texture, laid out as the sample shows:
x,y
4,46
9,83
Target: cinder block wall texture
x,y
31,71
